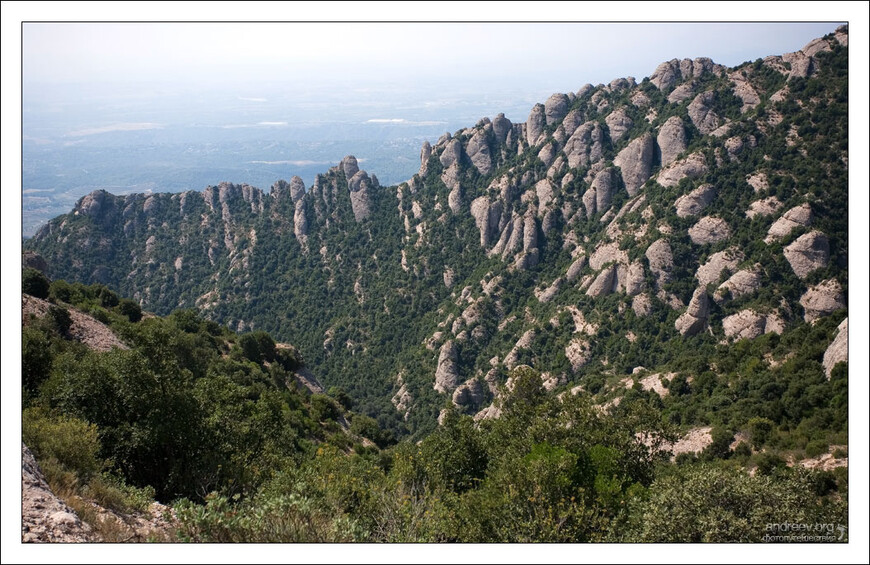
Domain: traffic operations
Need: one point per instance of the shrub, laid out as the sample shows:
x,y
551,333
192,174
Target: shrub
x,y
73,443
34,283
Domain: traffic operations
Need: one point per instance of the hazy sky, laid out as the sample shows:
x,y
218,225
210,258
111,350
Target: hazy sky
x,y
564,55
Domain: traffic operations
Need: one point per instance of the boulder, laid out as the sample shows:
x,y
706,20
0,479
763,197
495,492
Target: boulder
x,y
823,299
501,126
671,140
693,203
635,162
349,166
709,230
838,350
807,253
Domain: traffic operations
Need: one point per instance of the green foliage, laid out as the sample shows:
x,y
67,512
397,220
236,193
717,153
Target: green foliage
x,y
71,442
130,309
34,283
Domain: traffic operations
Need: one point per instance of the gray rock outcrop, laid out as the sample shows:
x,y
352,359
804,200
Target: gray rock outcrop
x,y
693,203
746,324
447,373
618,124
671,140
838,350
556,107
452,153
709,230
823,299
360,195
501,126
635,162
764,207
535,123
349,166
799,216
717,263
741,283
469,395
807,253
701,113
692,167
585,146
661,261
603,283
694,319
478,151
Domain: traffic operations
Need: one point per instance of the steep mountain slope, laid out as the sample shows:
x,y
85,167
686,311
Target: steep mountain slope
x,y
623,226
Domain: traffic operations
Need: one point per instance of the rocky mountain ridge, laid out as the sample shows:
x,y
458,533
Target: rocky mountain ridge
x,y
704,202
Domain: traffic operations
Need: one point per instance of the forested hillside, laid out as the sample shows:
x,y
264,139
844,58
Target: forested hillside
x,y
683,239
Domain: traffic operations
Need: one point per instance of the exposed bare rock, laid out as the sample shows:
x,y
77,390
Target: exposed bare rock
x,y
535,124
491,412
618,123
693,203
692,167
485,217
478,152
603,283
360,194
402,399
452,153
635,162
746,324
642,305
733,146
607,253
297,188
717,263
33,260
575,269
556,107
585,146
701,113
547,154
468,395
802,66
300,223
838,350
661,261
757,181
682,92
44,517
449,277
547,294
425,153
447,373
450,178
85,329
740,284
694,441
764,207
807,253
671,140
799,216
709,230
694,319
823,299
501,126
511,359
578,352
744,91
656,383
631,278
349,166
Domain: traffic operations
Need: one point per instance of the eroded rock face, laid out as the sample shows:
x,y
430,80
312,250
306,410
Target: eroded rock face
x,y
796,217
693,203
447,373
764,207
585,146
635,162
501,126
535,123
694,319
740,284
600,195
671,140
807,253
349,166
452,153
717,263
360,195
479,153
603,283
709,230
838,350
618,123
556,107
744,91
823,299
746,324
468,395
701,113
661,261
692,167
